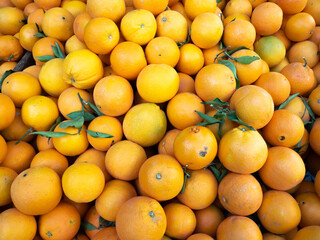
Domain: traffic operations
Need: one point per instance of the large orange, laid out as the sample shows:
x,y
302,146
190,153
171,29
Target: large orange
x,y
10,20
7,111
300,27
113,10
141,218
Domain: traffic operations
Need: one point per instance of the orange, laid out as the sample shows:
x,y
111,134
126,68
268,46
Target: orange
x,y
94,219
74,44
267,18
284,129
270,236
18,156
138,26
83,182
43,195
39,112
186,83
279,212
280,65
304,49
26,36
297,106
270,49
108,125
301,77
108,233
45,4
69,101
80,23
154,7
7,111
44,143
235,227
191,59
162,50
253,105
6,3
313,8
7,175
199,236
167,23
82,68
62,222
200,34
314,100
3,148
36,17
310,233
309,204
127,60
195,146
181,220
208,220
291,6
75,7
101,35
239,33
165,146
7,66
234,17
119,98
114,195
141,218
306,186
124,159
282,36
237,7
300,27
193,7
315,37
34,70
16,225
283,170
211,53
113,10
10,20
11,49
161,77
58,23
250,157
52,159
247,73
276,84
200,190
314,137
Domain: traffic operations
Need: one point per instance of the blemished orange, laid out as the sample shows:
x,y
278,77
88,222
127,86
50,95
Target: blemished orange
x,y
138,26
161,177
20,86
310,233
165,146
200,190
195,146
235,227
276,84
101,35
314,137
181,110
72,144
58,23
305,49
191,59
284,129
51,158
253,150
7,175
200,34
240,194
82,68
144,215
253,105
154,7
83,182
309,204
44,195
283,170
26,36
127,60
7,111
157,83
186,83
10,20
300,27
208,220
314,100
181,220
167,23
124,159
119,98
193,7
108,125
162,50
113,10
239,33
115,193
14,224
80,23
281,208
63,222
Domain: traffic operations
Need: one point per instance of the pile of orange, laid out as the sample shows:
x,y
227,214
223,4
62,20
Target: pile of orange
x,y
157,120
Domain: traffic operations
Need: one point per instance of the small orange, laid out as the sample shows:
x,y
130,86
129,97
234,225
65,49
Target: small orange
x,y
113,10
154,7
7,111
7,175
165,146
193,7
10,20
294,30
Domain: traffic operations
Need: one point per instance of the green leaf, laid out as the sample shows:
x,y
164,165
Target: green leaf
x,y
6,74
219,1
215,171
218,102
186,176
180,44
77,123
232,67
95,109
285,103
88,226
221,125
45,58
210,120
103,223
236,50
25,20
309,109
299,148
223,173
40,35
221,46
233,117
51,134
24,135
87,116
57,51
58,120
95,134
247,59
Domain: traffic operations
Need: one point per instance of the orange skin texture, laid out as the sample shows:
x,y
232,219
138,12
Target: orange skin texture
x,y
314,100
193,7
7,111
11,48
310,233
313,8
294,30
314,137
309,204
114,10
79,24
165,146
10,20
154,7
291,6
306,49
239,7
7,176
108,233
3,148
